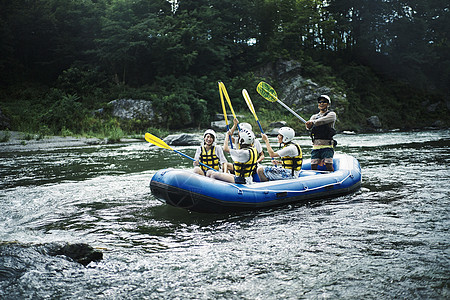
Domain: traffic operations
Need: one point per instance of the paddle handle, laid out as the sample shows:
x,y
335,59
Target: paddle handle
x,y
229,136
182,154
293,112
260,128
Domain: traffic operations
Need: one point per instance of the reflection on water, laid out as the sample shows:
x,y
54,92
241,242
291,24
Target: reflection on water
x,y
388,240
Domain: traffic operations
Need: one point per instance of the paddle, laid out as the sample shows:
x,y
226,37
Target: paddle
x,y
160,143
250,106
224,90
224,110
268,93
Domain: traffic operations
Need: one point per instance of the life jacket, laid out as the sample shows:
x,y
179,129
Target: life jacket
x,y
295,162
209,158
323,132
246,169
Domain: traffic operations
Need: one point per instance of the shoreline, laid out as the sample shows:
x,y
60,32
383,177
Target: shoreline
x,y
24,141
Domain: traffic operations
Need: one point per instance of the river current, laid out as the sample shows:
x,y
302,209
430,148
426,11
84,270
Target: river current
x,y
388,240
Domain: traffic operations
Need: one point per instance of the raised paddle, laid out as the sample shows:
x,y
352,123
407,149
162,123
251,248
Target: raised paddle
x,y
224,91
160,143
252,109
250,106
220,83
268,93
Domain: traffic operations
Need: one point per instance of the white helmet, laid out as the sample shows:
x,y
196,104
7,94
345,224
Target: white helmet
x,y
211,132
288,134
246,137
325,97
246,126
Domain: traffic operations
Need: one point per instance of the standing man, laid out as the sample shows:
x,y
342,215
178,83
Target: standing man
x,y
321,126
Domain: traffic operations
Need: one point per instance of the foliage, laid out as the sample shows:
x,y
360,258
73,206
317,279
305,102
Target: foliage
x,y
62,58
66,112
5,136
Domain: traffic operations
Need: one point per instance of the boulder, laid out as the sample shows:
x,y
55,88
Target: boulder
x,y
79,252
274,127
184,139
272,132
132,109
219,125
297,92
277,124
374,122
219,117
433,107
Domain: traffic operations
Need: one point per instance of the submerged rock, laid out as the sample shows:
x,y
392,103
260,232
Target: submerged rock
x,y
17,258
80,252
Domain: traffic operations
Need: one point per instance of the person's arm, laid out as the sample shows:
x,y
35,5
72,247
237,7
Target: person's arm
x,y
197,156
261,157
226,148
329,118
269,148
222,159
235,123
260,151
309,124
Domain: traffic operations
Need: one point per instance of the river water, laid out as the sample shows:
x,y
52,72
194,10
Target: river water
x,y
388,240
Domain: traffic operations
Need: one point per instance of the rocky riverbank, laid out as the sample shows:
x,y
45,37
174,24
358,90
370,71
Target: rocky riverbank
x,y
20,141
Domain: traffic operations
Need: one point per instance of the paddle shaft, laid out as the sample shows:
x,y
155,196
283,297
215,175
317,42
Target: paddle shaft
x,y
182,154
293,112
160,143
223,92
266,91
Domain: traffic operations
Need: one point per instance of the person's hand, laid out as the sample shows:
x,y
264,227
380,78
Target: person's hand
x,y
309,124
195,163
264,137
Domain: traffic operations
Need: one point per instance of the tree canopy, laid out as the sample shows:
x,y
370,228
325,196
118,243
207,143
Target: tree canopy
x,y
176,51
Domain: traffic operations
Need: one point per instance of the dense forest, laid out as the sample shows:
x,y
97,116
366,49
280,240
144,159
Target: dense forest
x,y
62,59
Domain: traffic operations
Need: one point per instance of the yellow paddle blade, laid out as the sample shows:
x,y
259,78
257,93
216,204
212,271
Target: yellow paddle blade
x,y
156,141
249,103
224,90
223,103
267,92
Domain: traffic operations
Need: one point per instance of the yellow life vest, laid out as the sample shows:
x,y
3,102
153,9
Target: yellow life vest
x,y
295,162
209,158
246,169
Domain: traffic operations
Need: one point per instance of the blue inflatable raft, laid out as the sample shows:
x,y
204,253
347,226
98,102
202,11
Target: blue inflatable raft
x,y
183,188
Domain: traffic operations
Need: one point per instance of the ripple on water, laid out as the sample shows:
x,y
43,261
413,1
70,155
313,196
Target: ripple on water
x,y
388,240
